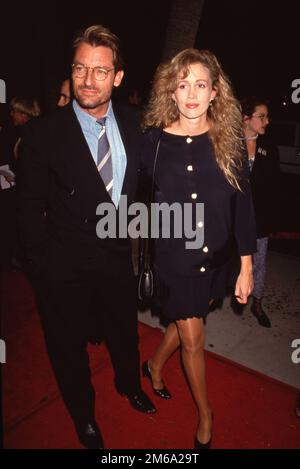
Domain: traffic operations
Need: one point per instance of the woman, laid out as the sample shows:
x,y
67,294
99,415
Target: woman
x,y
263,158
194,116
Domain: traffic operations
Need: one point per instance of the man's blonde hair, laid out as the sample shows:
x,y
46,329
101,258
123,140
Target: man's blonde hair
x,y
98,35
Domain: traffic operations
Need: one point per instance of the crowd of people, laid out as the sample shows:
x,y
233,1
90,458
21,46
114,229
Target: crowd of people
x,y
205,147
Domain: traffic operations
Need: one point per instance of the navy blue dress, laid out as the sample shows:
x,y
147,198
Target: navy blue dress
x,y
186,172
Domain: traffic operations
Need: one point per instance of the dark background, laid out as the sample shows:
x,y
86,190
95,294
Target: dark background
x,y
257,43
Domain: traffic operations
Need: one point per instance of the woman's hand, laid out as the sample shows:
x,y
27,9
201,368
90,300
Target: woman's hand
x,y
244,283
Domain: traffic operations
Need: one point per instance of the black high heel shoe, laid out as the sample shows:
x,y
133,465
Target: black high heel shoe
x,y
199,445
163,392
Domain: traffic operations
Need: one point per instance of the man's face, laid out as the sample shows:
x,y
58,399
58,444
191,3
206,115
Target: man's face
x,y
93,95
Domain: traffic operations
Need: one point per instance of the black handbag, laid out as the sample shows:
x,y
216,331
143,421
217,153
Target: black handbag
x,y
146,276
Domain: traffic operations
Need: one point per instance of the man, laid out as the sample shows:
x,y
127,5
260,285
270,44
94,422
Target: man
x,y
64,93
84,281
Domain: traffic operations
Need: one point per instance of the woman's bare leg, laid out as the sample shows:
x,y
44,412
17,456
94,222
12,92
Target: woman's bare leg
x,y
192,337
168,346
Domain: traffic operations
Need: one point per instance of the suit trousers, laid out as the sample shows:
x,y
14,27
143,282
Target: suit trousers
x,y
75,303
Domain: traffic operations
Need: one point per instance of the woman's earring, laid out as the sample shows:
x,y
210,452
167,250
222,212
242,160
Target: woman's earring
x,y
211,103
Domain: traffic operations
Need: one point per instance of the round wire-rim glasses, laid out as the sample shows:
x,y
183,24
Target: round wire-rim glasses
x,y
99,73
262,117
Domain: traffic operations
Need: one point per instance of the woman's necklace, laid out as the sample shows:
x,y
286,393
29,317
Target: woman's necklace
x,y
254,137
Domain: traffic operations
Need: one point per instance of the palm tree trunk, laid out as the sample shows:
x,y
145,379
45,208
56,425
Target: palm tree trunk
x,y
183,26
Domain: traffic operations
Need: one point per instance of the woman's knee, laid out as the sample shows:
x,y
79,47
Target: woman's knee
x,y
191,333
194,346
192,343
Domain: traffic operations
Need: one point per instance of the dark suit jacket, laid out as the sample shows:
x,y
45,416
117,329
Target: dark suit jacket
x,y
59,189
265,184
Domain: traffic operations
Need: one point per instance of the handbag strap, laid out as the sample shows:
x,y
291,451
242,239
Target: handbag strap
x,y
146,254
153,171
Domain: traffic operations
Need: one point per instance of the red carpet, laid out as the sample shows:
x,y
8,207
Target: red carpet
x,y
250,410
286,235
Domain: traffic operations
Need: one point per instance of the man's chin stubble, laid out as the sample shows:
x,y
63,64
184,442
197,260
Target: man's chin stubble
x,y
88,105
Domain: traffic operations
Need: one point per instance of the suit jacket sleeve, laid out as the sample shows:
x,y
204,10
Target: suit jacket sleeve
x,y
32,194
244,224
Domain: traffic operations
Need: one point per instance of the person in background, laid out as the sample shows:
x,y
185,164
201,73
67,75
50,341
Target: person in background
x,y
64,93
81,156
194,126
134,97
263,160
22,109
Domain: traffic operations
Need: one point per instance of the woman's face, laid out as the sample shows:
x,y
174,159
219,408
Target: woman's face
x,y
259,121
194,92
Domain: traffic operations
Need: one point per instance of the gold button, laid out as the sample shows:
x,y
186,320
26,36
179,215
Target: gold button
x,y
194,195
202,269
190,167
200,224
205,249
189,140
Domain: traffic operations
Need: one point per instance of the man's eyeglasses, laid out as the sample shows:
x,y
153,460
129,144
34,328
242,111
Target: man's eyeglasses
x,y
99,73
262,117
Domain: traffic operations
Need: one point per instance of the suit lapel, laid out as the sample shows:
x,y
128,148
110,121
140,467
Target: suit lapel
x,y
83,163
80,159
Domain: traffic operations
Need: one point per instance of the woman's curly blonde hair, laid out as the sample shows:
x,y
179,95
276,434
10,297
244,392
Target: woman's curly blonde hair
x,y
224,115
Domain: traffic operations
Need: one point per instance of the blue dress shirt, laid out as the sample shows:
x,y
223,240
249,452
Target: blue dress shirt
x,y
91,130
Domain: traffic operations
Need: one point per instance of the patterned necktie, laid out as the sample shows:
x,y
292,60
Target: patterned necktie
x,y
104,163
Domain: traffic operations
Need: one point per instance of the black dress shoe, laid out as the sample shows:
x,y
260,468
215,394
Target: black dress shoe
x,y
199,445
259,313
163,392
141,402
90,436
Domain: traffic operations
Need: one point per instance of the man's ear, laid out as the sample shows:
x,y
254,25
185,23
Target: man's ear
x,y
118,78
